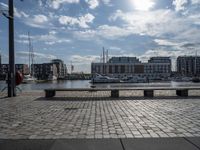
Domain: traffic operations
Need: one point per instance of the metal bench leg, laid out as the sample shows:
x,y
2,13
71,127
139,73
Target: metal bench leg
x,y
148,93
51,93
114,93
182,93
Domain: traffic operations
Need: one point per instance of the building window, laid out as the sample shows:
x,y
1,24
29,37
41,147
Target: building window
x,y
122,69
116,69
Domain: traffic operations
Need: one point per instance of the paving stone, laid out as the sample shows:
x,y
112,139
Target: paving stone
x,y
30,116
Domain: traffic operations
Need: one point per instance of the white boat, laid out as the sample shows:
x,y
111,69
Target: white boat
x,y
28,79
104,79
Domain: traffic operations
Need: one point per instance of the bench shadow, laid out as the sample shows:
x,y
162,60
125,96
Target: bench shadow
x,y
110,98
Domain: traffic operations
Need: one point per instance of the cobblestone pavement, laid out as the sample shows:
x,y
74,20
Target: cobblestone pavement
x,y
30,116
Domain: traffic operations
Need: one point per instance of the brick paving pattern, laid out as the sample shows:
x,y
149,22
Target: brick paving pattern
x,y
80,115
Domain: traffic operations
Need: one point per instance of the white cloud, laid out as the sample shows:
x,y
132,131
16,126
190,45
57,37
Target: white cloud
x,y
3,6
49,39
83,63
95,3
143,5
20,14
164,42
195,18
40,19
104,31
107,2
51,42
84,59
80,21
179,4
195,1
17,13
190,35
52,32
112,32
85,35
37,56
92,3
183,48
153,23
23,41
156,52
115,48
55,4
160,24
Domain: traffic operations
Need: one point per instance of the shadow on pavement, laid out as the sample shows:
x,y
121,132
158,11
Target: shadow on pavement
x,y
120,98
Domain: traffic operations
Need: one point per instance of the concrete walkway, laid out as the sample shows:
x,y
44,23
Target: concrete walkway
x,y
103,144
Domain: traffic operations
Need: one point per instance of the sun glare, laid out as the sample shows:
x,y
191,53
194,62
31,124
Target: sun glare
x,y
143,5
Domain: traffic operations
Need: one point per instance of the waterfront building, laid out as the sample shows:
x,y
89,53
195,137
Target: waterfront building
x,y
61,68
45,71
23,68
156,68
188,65
116,66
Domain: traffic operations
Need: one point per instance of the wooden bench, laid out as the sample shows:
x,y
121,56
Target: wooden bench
x,y
148,91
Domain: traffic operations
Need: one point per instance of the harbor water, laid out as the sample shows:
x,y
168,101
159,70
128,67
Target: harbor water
x,y
87,84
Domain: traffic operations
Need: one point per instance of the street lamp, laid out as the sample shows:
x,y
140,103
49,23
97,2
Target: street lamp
x,y
11,69
11,73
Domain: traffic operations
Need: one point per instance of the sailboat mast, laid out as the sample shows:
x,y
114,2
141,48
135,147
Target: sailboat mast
x,y
107,58
31,55
32,59
29,52
195,72
103,61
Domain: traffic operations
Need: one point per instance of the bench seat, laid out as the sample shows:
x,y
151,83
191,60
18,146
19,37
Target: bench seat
x,y
148,91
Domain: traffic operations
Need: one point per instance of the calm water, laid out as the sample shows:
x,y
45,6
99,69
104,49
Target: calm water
x,y
86,84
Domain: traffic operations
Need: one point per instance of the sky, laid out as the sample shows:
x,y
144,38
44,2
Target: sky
x,y
77,30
